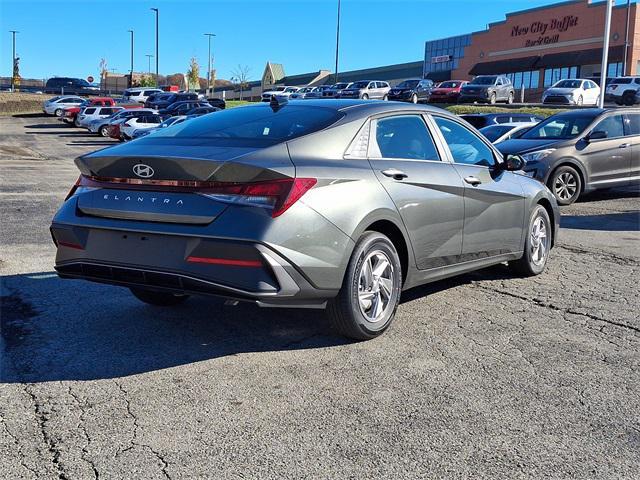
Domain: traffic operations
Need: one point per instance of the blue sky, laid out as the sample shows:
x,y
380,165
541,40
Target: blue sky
x,y
69,37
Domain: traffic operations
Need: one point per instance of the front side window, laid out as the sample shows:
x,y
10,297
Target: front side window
x,y
559,127
465,146
612,126
89,111
403,136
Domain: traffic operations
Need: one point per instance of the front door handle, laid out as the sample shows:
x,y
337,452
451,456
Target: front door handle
x,y
624,145
471,180
394,173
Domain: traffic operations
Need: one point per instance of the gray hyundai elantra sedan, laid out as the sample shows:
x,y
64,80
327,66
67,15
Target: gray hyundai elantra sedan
x,y
334,204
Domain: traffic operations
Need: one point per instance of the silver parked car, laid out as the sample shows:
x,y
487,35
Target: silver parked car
x,y
330,204
56,105
101,125
366,89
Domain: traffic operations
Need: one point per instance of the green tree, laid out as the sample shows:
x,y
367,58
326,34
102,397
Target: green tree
x,y
146,81
193,74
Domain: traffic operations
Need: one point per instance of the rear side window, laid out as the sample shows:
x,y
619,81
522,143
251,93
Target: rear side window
x,y
633,122
612,126
465,146
149,92
256,125
403,136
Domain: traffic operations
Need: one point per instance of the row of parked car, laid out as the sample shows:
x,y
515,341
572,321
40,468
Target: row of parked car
x,y
483,89
137,113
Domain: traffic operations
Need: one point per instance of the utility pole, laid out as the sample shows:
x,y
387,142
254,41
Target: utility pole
x,y
605,53
337,42
626,40
157,15
209,70
13,62
149,57
131,76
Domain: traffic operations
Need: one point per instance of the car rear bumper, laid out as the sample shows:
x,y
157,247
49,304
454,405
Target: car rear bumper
x,y
243,254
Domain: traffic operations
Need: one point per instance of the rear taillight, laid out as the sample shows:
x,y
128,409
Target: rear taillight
x,y
73,189
278,195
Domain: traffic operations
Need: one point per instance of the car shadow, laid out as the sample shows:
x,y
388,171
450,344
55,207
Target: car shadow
x,y
55,329
611,222
96,143
47,126
610,194
31,115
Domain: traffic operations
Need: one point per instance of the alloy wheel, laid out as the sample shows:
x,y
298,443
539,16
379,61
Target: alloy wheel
x,y
375,286
414,98
539,242
565,186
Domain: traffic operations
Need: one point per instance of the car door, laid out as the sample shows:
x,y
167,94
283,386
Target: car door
x,y
493,198
499,86
608,159
426,189
633,128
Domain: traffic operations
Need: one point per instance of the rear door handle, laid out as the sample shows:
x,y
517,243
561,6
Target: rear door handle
x,y
394,173
471,180
624,145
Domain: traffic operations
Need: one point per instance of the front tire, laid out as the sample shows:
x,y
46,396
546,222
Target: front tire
x,y
492,99
565,184
414,98
629,98
580,101
157,298
367,302
58,112
385,98
537,244
365,96
104,131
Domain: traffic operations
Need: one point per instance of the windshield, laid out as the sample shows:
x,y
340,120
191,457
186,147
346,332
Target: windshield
x,y
568,84
620,81
252,126
494,132
408,84
559,127
483,81
359,85
449,85
339,86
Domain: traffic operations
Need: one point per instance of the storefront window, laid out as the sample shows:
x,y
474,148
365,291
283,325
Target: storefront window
x,y
553,75
529,79
615,70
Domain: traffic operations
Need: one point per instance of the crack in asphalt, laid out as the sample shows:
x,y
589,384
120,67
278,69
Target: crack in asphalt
x,y
18,447
42,419
551,306
134,435
81,425
612,257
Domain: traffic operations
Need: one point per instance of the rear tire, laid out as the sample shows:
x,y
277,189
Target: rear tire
x,y
157,298
629,98
414,98
565,184
367,302
537,244
510,99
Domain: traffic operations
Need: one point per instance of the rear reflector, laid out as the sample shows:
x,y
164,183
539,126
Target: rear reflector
x,y
70,245
225,261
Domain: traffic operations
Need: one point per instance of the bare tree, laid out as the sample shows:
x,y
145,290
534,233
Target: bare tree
x,y
241,77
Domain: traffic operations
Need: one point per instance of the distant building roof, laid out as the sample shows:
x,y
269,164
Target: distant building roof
x,y
387,72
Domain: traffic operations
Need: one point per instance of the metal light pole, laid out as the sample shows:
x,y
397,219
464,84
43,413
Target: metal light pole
x,y
209,70
337,42
157,15
605,53
626,40
131,77
149,57
13,60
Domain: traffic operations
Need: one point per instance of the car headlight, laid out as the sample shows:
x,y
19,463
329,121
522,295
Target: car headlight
x,y
537,155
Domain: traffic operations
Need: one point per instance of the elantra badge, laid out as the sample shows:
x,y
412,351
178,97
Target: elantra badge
x,y
143,171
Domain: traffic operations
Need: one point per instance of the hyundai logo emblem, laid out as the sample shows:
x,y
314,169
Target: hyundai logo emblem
x,y
143,171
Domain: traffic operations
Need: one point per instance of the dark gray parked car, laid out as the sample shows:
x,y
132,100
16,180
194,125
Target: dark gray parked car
x,y
488,89
315,203
581,150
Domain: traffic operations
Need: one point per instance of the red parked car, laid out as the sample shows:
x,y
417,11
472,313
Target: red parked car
x,y
448,91
70,114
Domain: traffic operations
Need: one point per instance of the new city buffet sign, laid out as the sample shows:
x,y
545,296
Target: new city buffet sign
x,y
545,32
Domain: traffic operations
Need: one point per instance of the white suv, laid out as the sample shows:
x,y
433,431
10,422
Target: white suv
x,y
622,90
280,91
139,94
87,114
143,122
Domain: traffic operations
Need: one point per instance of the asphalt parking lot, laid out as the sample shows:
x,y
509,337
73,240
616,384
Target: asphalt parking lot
x,y
483,376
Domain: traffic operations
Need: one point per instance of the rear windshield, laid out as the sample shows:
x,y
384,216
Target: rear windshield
x,y
493,132
251,126
483,81
621,80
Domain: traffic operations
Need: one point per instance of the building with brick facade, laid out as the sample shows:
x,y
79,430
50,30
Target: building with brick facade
x,y
539,46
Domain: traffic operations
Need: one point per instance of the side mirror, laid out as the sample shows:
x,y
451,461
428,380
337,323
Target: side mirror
x,y
596,135
513,163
